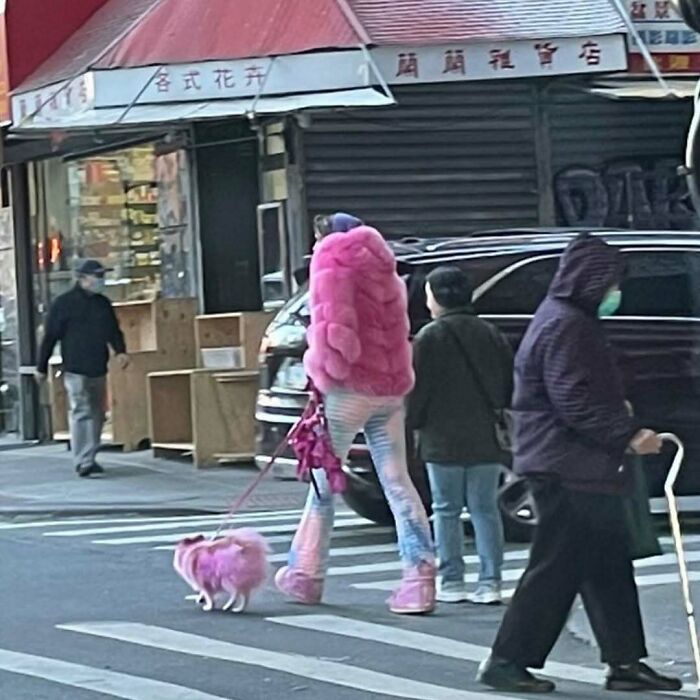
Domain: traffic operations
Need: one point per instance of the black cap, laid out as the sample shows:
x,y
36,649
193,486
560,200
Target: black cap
x,y
92,267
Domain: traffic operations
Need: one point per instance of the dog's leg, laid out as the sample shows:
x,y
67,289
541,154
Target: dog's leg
x,y
241,603
208,601
229,603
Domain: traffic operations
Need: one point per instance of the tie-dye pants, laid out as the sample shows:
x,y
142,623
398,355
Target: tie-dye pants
x,y
384,427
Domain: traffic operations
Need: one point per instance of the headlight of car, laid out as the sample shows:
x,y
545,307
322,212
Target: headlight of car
x,y
291,375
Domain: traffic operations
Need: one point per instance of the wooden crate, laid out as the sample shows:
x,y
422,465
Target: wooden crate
x,y
230,341
170,410
58,399
207,413
159,336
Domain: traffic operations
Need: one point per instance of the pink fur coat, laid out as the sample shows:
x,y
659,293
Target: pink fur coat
x,y
359,333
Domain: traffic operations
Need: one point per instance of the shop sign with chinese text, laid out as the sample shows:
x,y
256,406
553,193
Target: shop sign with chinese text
x,y
514,59
674,46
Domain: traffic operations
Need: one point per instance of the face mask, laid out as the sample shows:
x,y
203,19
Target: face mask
x,y
96,285
610,304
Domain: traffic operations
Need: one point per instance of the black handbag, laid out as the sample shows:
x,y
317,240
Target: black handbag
x,y
502,417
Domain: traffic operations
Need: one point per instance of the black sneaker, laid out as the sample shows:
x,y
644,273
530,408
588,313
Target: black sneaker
x,y
90,470
639,677
507,676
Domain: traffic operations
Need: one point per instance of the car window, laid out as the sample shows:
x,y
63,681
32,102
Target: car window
x,y
521,291
479,270
665,284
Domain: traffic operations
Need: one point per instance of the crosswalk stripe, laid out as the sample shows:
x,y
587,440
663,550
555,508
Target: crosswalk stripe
x,y
430,644
36,524
515,574
176,537
286,539
514,555
313,669
210,520
361,550
119,685
396,565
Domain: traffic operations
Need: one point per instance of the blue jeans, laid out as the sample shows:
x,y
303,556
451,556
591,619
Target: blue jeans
x,y
454,486
383,422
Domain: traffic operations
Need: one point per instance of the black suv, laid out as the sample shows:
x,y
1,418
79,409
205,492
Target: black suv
x,y
656,332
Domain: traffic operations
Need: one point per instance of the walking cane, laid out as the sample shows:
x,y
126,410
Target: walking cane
x,y
678,543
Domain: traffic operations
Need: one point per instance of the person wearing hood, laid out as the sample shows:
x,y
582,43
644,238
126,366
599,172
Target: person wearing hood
x,y
359,358
572,428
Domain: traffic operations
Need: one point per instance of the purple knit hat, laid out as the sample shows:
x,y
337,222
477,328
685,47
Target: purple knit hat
x,y
341,222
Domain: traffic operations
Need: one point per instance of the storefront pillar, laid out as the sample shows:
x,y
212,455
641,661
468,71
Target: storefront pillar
x,y
31,424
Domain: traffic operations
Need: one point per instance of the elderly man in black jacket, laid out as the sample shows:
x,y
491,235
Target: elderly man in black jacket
x,y
84,323
464,370
572,429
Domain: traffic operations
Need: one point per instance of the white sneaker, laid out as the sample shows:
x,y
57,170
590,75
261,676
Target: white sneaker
x,y
453,593
486,595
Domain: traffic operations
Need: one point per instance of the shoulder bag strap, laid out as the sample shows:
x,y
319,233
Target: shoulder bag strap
x,y
477,379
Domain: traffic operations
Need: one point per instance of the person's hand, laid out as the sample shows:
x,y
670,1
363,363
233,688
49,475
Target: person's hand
x,y
40,377
646,442
122,360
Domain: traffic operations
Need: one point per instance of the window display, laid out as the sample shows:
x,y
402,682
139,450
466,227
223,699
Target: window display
x,y
120,213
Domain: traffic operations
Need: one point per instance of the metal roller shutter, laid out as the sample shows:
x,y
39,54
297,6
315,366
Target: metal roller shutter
x,y
632,147
449,159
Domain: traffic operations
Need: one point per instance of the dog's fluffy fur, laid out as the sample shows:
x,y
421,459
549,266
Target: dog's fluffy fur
x,y
235,564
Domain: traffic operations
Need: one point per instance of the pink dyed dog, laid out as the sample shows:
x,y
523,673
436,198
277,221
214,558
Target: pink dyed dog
x,y
235,564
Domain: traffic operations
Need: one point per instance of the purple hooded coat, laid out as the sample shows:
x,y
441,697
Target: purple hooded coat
x,y
569,404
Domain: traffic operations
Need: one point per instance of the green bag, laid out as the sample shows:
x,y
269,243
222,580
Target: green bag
x,y
644,540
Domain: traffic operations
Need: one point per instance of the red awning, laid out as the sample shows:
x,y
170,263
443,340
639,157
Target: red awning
x,y
402,22
132,33
189,31
129,33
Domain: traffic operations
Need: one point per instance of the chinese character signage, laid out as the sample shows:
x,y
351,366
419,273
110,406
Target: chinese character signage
x,y
674,46
509,59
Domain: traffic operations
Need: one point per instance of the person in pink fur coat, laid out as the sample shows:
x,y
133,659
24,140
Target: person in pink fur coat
x,y
359,357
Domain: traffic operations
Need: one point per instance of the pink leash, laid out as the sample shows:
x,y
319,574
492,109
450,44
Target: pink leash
x,y
240,501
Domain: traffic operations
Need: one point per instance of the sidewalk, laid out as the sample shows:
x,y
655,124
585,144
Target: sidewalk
x,y
39,481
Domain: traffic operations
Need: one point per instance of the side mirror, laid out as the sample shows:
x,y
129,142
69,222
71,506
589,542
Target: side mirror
x,y
689,10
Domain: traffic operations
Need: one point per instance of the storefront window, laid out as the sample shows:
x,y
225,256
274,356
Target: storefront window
x,y
128,209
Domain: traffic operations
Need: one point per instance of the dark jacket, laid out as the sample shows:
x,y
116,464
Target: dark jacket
x,y
569,403
85,325
454,423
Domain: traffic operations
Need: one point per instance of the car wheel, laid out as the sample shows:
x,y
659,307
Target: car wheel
x,y
364,494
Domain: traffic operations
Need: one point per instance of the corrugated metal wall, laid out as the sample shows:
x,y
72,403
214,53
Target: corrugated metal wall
x,y
451,158
454,158
591,131
614,162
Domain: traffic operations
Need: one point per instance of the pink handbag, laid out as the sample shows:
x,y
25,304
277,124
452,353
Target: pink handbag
x,y
311,441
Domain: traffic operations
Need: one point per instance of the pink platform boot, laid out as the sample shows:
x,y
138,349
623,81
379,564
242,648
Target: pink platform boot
x,y
298,586
416,594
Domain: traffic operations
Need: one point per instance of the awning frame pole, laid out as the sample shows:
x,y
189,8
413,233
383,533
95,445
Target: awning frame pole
x,y
365,41
643,48
138,95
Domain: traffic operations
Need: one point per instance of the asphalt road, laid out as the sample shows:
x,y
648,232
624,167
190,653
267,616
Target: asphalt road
x,y
92,610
